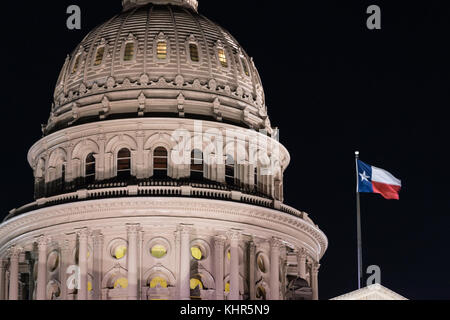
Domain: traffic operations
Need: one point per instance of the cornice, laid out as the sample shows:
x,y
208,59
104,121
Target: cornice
x,y
191,208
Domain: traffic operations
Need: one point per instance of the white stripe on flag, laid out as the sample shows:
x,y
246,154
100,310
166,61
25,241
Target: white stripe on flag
x,y
382,176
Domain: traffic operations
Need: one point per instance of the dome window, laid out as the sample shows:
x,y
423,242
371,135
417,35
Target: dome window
x,y
76,64
193,51
160,162
124,163
90,168
129,52
158,282
99,56
245,67
196,165
161,50
229,170
222,57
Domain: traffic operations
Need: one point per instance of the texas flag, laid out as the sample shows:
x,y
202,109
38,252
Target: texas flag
x,y
375,180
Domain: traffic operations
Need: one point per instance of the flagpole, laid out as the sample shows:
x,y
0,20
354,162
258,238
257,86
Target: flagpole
x,y
358,221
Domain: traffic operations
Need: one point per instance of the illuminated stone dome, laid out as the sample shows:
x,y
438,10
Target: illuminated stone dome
x,y
149,183
159,57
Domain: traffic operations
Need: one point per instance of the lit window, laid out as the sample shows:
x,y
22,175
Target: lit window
x,y
121,283
124,163
89,286
197,253
90,168
193,50
120,252
158,251
196,283
161,50
222,58
229,170
227,287
129,52
76,64
245,67
196,165
158,281
160,161
99,56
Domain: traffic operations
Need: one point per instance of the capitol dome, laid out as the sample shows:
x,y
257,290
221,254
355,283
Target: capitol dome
x,y
162,51
150,182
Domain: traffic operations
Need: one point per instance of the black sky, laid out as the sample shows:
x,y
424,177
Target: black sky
x,y
332,87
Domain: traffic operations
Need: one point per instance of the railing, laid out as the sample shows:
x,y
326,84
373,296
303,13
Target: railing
x,y
169,188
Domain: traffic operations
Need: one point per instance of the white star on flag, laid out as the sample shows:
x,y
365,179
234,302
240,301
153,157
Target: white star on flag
x,y
364,177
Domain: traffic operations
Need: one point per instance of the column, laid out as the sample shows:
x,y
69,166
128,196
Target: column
x,y
234,237
132,262
14,273
315,280
141,280
41,290
219,247
185,263
83,236
65,254
251,264
301,258
275,245
2,279
97,238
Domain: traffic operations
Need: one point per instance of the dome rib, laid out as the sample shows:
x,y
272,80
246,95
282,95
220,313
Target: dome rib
x,y
177,42
116,44
147,27
208,53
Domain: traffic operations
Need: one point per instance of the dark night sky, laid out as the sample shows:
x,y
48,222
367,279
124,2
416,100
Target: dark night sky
x,y
332,87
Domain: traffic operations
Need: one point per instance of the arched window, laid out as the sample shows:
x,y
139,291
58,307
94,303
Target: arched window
x,y
196,165
229,170
129,52
245,67
90,168
161,50
76,64
193,52
222,57
160,162
196,285
99,56
124,163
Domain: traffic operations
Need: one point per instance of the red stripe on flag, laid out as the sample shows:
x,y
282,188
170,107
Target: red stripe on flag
x,y
388,191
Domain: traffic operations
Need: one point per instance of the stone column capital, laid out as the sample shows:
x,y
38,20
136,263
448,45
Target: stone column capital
x,y
234,235
15,251
3,263
276,243
185,229
83,234
315,268
133,229
97,238
220,240
43,242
